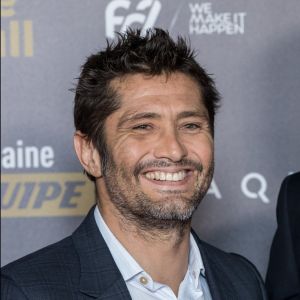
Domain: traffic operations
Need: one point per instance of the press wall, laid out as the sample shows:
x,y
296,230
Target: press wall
x,y
252,49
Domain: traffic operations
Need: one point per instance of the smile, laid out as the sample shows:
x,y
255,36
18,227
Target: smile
x,y
166,176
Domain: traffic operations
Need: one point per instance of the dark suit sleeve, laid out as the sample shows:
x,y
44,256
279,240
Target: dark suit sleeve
x,y
10,290
282,280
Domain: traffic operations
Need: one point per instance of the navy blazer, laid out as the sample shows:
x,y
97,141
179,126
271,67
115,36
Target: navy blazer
x,y
283,276
81,267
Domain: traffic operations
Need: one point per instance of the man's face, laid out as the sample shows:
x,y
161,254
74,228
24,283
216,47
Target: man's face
x,y
160,147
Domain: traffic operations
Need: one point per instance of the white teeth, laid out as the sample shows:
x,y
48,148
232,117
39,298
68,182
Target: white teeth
x,y
166,176
169,176
175,177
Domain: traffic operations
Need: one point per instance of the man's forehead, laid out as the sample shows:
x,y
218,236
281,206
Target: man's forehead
x,y
159,112
162,84
128,116
157,96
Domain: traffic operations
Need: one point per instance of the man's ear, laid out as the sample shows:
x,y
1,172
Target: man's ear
x,y
87,154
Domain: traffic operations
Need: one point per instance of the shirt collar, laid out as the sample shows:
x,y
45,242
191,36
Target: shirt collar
x,y
196,267
129,267
124,261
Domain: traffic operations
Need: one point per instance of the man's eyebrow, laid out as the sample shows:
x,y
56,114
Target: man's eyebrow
x,y
137,116
192,113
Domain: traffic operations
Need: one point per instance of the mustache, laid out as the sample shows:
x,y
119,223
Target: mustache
x,y
159,163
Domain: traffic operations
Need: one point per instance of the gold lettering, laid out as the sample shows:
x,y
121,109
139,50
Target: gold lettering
x,y
46,194
17,37
6,9
28,38
14,39
3,43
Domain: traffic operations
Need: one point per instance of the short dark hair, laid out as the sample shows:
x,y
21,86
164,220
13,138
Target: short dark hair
x,y
153,53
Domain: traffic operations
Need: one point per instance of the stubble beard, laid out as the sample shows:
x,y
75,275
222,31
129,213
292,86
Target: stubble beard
x,y
173,212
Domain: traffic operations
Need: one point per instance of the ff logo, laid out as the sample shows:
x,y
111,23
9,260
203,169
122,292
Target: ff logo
x,y
140,16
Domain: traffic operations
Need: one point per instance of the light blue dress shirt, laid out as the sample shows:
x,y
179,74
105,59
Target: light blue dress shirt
x,y
140,284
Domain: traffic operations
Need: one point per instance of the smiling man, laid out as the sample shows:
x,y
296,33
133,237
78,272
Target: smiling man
x,y
144,117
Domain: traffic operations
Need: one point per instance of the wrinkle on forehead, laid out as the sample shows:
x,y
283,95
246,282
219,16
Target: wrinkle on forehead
x,y
169,82
160,95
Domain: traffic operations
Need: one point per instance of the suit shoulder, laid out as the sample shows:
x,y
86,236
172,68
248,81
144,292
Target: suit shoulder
x,y
289,197
233,270
246,264
232,260
292,181
50,263
9,290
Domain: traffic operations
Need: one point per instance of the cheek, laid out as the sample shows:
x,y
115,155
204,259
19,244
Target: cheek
x,y
129,152
203,150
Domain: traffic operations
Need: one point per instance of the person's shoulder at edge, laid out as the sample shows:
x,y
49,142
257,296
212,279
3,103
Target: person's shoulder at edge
x,y
292,180
282,278
288,205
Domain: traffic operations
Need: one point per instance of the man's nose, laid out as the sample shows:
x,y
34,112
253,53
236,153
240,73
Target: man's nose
x,y
170,146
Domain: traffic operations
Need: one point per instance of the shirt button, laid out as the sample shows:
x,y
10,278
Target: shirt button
x,y
143,280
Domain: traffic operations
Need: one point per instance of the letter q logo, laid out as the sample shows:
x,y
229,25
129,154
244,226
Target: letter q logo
x,y
139,17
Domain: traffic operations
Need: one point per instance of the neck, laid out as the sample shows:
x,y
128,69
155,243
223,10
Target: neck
x,y
162,251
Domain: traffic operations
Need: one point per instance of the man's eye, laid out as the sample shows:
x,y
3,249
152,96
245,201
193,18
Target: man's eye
x,y
192,126
142,127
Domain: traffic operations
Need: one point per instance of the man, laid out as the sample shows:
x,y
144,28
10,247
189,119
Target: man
x,y
144,118
283,275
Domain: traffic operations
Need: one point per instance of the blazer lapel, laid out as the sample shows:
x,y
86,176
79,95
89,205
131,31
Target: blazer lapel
x,y
100,277
117,291
219,284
